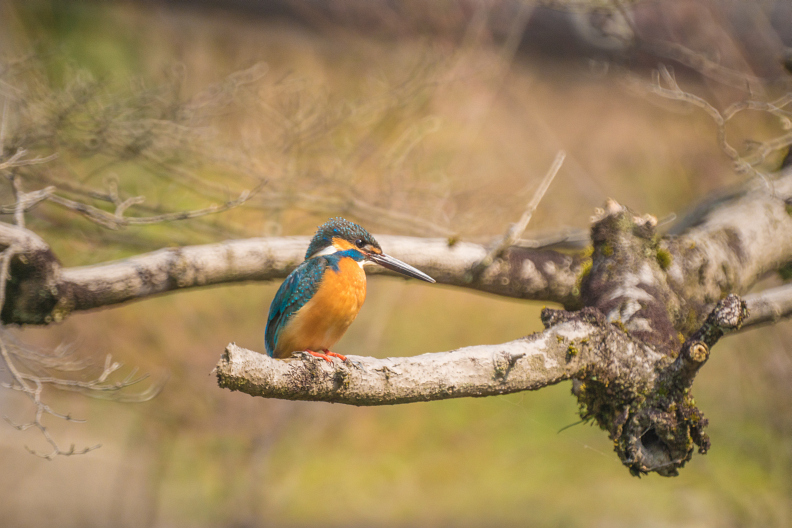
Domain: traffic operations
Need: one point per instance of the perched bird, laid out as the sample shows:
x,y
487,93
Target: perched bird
x,y
319,299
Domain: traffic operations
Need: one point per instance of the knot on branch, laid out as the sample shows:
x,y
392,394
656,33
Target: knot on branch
x,y
658,430
727,316
634,389
697,353
32,291
627,279
615,217
660,438
503,362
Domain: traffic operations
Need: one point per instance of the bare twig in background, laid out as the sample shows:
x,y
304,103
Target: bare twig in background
x,y
517,229
346,204
742,163
77,119
30,371
117,220
705,66
85,121
17,160
3,121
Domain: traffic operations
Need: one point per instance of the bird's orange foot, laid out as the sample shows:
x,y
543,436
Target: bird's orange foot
x,y
339,356
319,355
327,355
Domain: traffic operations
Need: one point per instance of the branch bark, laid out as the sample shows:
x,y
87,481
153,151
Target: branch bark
x,y
729,246
639,395
523,273
525,364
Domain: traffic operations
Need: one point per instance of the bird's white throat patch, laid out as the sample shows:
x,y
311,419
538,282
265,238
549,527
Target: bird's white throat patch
x,y
329,250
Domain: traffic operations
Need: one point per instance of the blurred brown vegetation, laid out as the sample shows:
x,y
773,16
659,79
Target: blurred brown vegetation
x,y
453,129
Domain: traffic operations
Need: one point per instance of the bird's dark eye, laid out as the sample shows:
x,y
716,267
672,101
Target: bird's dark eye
x,y
360,243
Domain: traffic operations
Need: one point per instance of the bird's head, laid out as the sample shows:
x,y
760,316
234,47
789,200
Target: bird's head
x,y
340,235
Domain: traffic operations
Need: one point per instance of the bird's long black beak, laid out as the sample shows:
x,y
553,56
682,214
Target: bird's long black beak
x,y
397,265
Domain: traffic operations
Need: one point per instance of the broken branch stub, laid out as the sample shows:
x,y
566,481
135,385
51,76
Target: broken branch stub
x,y
647,409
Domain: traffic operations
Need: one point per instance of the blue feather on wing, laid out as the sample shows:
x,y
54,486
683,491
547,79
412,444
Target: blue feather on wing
x,y
298,288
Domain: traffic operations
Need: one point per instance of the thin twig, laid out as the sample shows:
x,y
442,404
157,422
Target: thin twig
x,y
17,161
31,199
118,221
705,66
763,149
516,230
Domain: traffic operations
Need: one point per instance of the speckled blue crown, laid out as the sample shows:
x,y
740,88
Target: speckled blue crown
x,y
338,228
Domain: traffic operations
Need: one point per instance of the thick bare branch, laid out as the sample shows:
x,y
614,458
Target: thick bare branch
x,y
524,273
728,247
565,350
633,391
730,243
176,268
526,364
26,241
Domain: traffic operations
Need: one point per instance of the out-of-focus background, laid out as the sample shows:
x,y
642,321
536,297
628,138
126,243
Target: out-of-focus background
x,y
435,119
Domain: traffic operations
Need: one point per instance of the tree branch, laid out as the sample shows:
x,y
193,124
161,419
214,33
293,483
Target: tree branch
x,y
730,243
528,274
635,392
726,249
573,344
769,306
525,364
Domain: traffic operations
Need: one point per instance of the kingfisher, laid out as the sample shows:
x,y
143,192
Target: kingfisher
x,y
319,299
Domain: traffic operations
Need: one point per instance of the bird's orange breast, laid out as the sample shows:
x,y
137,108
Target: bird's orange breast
x,y
321,322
